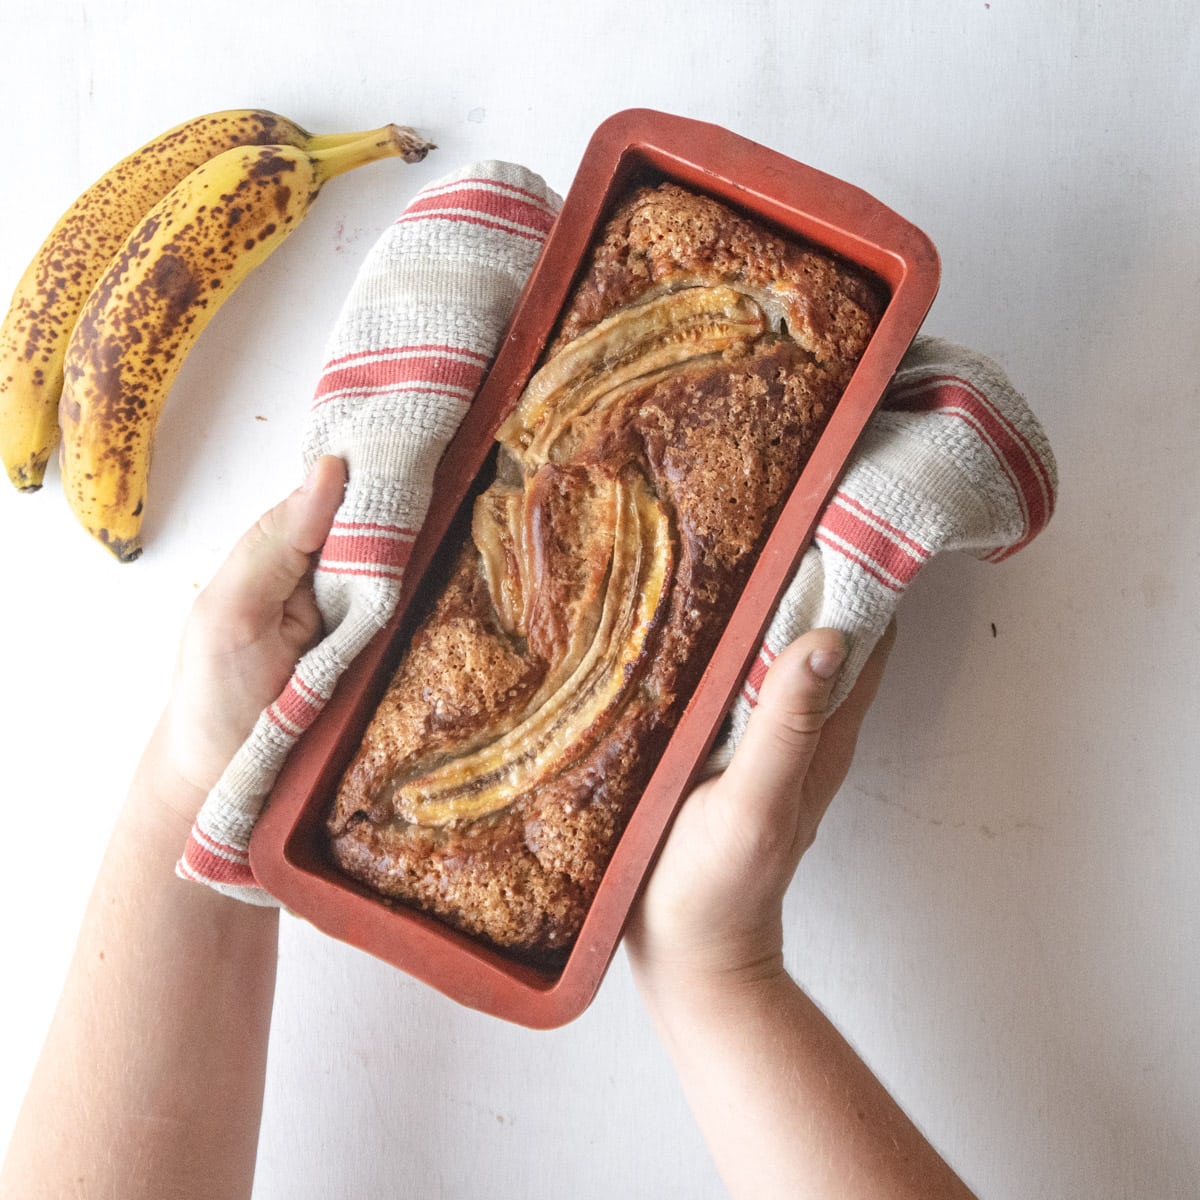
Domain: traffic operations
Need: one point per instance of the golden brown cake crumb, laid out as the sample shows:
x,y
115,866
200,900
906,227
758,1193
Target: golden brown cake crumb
x,y
688,380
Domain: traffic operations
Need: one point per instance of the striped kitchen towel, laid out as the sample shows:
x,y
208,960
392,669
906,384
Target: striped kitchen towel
x,y
409,350
954,460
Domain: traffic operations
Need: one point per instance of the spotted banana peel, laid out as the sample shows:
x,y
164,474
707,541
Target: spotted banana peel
x,y
52,291
163,286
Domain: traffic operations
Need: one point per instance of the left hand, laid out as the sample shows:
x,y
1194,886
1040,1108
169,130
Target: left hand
x,y
248,629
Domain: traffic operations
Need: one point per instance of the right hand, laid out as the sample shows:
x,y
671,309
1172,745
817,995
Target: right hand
x,y
713,904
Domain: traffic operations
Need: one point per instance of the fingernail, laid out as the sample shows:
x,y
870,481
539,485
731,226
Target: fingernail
x,y
824,664
309,479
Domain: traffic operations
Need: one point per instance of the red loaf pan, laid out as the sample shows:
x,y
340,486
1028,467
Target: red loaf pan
x,y
287,852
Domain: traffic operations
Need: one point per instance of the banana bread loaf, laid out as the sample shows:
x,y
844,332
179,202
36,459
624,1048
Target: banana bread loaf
x,y
686,384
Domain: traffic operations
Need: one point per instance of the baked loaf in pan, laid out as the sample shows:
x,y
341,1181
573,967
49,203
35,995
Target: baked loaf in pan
x,y
695,366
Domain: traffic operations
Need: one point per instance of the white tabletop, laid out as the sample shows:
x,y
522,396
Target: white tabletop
x,y
1001,911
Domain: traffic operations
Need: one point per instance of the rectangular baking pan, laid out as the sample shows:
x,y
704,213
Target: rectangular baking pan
x,y
287,851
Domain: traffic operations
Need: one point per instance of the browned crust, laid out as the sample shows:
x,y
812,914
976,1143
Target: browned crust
x,y
722,442
666,234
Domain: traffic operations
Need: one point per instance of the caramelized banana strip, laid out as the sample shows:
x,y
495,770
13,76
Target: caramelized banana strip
x,y
487,780
498,531
660,333
502,527
508,527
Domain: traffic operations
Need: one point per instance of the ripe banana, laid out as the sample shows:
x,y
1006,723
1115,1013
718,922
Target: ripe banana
x,y
161,289
50,294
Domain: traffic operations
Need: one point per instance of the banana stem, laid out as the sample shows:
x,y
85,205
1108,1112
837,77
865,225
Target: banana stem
x,y
318,142
344,152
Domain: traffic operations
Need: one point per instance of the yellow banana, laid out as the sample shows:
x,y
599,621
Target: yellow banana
x,y
50,294
163,286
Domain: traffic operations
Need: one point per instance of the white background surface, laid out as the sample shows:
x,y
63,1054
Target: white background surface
x,y
1002,909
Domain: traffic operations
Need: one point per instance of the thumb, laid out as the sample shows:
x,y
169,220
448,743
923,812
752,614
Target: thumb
x,y
781,737
275,554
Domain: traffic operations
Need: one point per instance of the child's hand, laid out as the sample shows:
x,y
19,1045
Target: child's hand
x,y
713,904
248,628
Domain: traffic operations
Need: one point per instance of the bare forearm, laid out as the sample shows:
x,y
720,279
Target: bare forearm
x,y
786,1106
150,1082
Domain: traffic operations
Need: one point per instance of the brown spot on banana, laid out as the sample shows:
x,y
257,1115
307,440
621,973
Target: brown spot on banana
x,y
175,282
270,166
